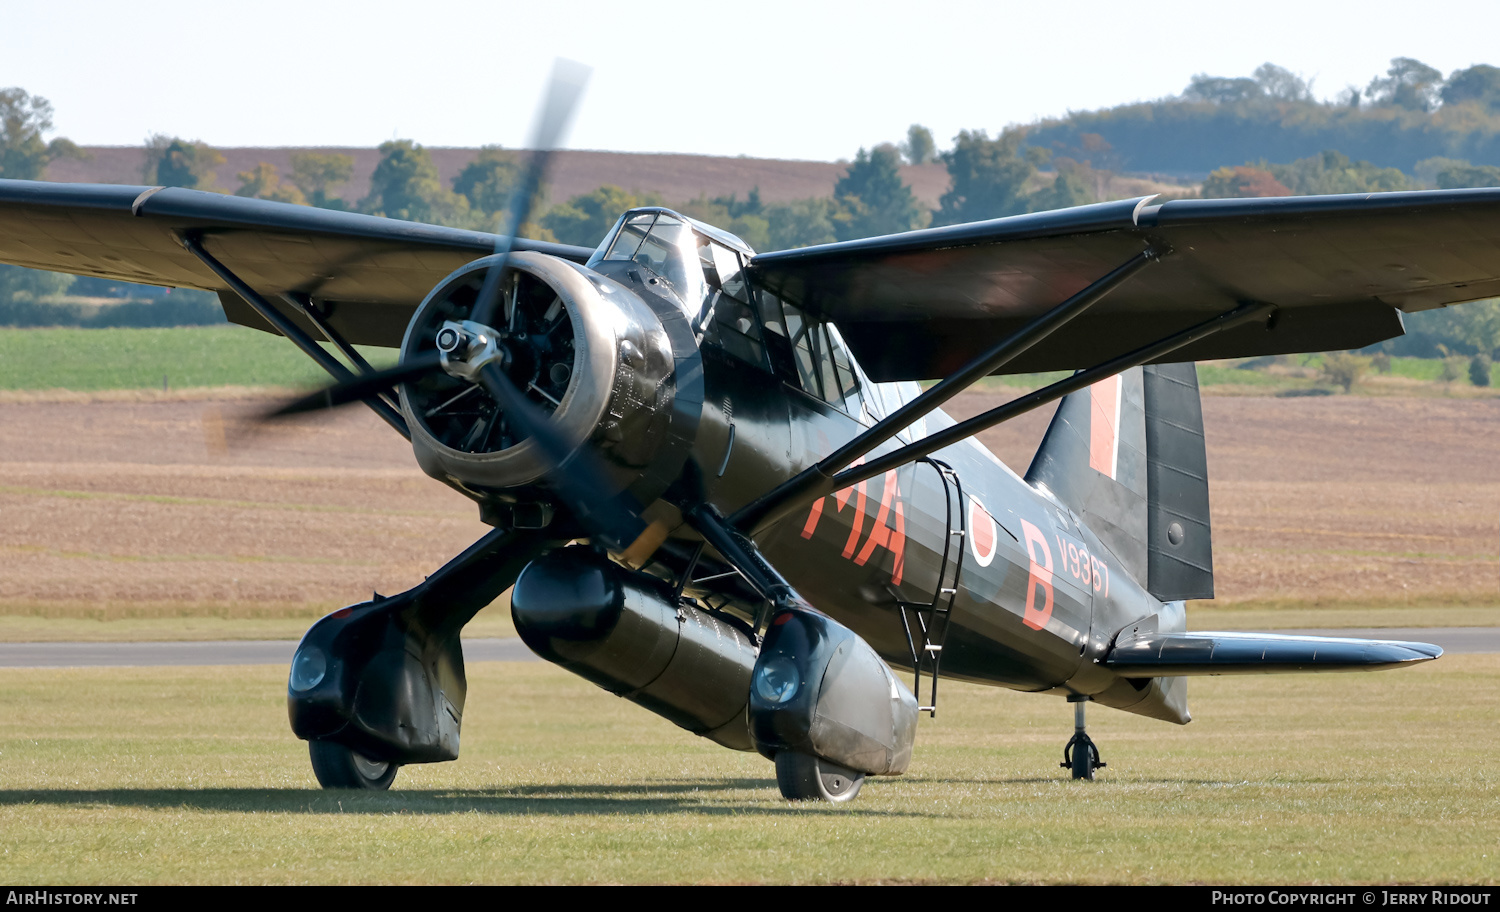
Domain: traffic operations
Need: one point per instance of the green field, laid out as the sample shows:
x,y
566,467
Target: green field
x,y
190,775
187,357
193,357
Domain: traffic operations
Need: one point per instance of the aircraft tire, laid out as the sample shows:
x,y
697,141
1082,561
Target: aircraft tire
x,y
336,766
1085,759
806,778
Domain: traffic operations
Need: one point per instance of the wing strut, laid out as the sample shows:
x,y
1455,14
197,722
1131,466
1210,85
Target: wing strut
x,y
816,480
304,303
1052,392
314,314
193,242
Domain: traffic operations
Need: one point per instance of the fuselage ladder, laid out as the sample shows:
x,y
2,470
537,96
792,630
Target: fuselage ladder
x,y
926,623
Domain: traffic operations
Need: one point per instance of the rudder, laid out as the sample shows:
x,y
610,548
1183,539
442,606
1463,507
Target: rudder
x,y
1127,455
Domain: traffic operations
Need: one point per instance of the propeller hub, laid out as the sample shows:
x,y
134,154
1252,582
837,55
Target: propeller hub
x,y
466,347
586,357
449,338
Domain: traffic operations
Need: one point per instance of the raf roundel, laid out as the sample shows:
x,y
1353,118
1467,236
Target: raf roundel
x,y
984,538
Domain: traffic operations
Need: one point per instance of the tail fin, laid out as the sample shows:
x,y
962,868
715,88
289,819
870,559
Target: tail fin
x,y
1127,455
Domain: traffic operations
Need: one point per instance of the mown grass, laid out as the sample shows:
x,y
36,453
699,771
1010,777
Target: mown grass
x,y
134,622
190,775
1292,614
187,357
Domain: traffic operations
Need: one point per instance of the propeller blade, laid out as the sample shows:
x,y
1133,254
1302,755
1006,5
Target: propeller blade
x,y
563,91
579,483
362,386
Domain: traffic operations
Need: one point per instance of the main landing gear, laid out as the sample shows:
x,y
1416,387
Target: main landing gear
x,y
336,766
802,777
1080,754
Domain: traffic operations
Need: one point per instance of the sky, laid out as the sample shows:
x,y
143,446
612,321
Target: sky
x,y
768,79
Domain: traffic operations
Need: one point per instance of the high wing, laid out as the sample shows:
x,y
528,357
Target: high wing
x,y
367,274
1152,654
1339,269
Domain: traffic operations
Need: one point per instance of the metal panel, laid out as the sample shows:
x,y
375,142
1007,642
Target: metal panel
x,y
1180,560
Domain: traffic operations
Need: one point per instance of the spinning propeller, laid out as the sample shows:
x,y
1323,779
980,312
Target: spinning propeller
x,y
478,354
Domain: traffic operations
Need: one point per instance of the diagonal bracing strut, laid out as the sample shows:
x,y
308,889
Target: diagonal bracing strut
x,y
815,480
949,436
193,242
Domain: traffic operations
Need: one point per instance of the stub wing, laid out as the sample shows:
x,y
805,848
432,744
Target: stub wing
x,y
1151,655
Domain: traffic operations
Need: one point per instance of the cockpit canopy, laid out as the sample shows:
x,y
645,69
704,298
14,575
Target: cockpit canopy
x,y
706,268
694,258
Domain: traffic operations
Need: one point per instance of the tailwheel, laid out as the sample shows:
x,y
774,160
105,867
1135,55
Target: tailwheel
x,y
338,767
1079,754
806,778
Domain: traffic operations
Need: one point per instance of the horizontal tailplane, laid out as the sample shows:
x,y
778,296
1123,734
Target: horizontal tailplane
x,y
1152,654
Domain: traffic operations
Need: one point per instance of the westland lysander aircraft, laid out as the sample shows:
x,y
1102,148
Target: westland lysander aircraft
x,y
715,486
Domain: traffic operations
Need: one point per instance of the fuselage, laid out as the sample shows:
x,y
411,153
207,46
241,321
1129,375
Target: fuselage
x,y
1027,596
1038,598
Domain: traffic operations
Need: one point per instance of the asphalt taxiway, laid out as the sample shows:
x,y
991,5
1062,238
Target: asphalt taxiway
x,y
511,649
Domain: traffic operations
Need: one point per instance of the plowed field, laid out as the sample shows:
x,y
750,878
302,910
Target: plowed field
x,y
144,508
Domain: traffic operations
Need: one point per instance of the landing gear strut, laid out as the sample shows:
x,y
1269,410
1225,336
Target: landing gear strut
x,y
1079,754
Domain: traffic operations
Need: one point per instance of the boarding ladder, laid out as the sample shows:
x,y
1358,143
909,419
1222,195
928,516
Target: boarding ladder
x,y
928,621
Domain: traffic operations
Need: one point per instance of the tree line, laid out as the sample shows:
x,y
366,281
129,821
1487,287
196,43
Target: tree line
x,y
989,177
1408,114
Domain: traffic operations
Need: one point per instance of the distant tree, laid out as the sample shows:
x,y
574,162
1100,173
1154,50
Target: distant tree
x,y
1459,175
1221,90
871,199
1428,169
1472,327
24,152
919,149
585,219
1479,84
988,178
173,162
1243,181
1479,369
1073,187
1094,151
752,204
1333,172
1344,368
406,186
31,285
1409,84
1452,369
800,223
743,218
1282,84
317,173
487,181
264,182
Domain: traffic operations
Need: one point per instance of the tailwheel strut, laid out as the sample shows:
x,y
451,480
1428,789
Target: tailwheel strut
x,y
1079,754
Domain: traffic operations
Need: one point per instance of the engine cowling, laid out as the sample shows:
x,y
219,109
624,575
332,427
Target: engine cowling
x,y
613,371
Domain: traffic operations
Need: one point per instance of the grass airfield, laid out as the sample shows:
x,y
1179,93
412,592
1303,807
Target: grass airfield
x,y
132,515
189,775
